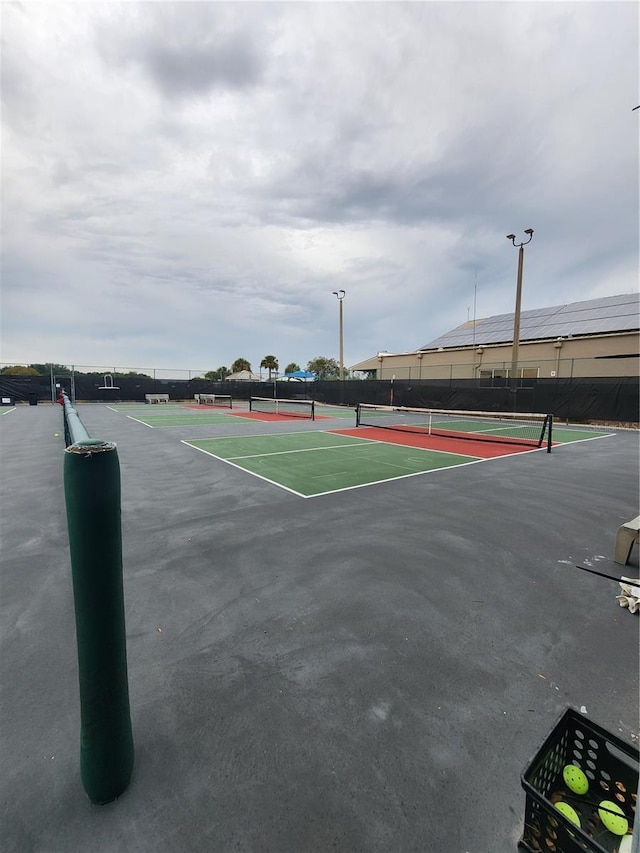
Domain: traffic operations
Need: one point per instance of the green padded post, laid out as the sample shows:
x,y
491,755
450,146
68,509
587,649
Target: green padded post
x,y
92,495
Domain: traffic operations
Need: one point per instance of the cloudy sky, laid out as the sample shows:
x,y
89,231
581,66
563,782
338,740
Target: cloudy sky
x,y
184,184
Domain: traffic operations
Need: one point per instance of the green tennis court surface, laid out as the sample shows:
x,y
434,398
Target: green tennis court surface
x,y
563,435
184,418
315,463
129,408
334,411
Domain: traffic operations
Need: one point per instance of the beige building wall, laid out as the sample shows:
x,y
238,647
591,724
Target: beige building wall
x,y
560,358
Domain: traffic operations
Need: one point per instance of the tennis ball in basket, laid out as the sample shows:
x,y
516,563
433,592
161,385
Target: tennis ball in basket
x,y
568,812
575,779
616,823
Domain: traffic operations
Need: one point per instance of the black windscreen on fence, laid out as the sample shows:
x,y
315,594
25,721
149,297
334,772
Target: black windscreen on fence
x,y
579,399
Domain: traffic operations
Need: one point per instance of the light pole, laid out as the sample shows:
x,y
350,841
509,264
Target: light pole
x,y
516,319
340,294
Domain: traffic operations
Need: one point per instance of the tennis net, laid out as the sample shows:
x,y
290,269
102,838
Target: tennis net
x,y
289,408
530,429
222,400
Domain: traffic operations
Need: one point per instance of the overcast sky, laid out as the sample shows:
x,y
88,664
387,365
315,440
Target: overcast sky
x,y
184,184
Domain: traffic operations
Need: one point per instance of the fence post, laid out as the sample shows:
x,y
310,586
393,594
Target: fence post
x,y
92,496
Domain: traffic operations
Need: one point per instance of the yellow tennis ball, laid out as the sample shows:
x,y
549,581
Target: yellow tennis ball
x,y
616,823
56,435
575,779
568,812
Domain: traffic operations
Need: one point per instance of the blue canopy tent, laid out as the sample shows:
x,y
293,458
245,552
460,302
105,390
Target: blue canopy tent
x,y
299,376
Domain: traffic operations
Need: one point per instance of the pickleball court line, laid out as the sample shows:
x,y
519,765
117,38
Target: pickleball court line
x,y
138,421
561,443
270,435
355,485
430,449
355,442
303,450
244,470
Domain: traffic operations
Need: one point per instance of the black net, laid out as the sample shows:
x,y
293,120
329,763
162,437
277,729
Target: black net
x,y
224,401
510,428
288,408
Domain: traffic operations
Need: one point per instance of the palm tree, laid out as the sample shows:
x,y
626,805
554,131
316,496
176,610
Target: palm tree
x,y
240,364
292,368
270,362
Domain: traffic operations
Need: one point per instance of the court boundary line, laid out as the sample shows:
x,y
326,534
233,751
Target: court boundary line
x,y
300,449
433,449
131,418
245,470
8,412
405,476
358,485
258,435
580,440
336,432
169,426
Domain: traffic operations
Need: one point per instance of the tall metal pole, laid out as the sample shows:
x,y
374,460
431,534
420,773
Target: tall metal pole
x,y
340,294
513,376
341,345
516,323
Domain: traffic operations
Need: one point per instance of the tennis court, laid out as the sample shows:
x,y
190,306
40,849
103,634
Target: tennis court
x,y
316,463
386,445
256,409
364,672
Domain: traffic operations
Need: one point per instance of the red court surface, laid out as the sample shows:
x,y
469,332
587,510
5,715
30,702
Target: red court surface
x,y
257,416
481,449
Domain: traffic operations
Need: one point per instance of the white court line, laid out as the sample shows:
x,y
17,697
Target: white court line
x,y
131,418
240,468
423,449
8,412
300,450
401,477
420,473
354,443
580,440
258,435
359,485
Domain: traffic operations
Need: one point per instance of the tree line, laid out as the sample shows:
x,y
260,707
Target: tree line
x,y
324,368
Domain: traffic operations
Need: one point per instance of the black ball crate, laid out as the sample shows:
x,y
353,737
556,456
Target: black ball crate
x,y
611,767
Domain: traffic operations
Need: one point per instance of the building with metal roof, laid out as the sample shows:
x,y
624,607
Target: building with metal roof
x,y
595,337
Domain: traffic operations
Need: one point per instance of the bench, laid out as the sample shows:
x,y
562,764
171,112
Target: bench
x,y
157,398
626,535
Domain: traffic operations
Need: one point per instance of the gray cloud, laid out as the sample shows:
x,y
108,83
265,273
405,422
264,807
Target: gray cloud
x,y
186,70
172,168
187,50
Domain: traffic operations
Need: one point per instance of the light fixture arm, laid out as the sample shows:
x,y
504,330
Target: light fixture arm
x,y
512,237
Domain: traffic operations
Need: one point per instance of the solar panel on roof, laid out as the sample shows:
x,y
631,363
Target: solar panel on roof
x,y
605,314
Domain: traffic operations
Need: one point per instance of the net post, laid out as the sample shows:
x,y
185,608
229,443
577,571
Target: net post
x,y
358,414
313,410
93,505
549,431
